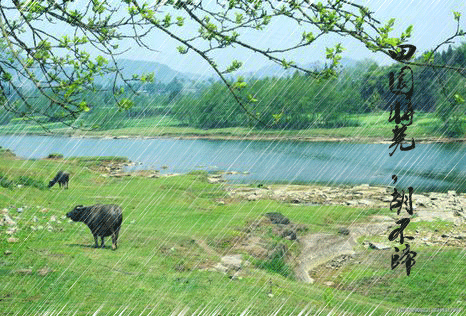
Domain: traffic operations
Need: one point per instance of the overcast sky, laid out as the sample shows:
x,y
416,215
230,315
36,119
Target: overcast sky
x,y
432,20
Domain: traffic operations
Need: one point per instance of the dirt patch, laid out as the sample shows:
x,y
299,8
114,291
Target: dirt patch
x,y
259,242
329,273
209,250
255,246
44,271
324,256
118,173
251,136
318,249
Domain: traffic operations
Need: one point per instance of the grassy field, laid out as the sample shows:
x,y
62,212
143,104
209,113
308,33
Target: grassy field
x,y
160,267
372,126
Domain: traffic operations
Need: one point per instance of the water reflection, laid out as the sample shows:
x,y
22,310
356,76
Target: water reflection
x,y
432,167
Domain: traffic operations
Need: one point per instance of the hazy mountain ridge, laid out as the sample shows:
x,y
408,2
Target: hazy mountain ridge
x,y
275,70
162,72
165,74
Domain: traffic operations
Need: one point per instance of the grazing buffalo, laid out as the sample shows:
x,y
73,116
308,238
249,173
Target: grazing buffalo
x,y
102,220
62,178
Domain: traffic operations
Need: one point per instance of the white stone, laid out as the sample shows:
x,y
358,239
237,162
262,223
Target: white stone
x,y
7,220
232,261
378,246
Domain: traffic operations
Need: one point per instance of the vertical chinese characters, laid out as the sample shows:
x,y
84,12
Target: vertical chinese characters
x,y
402,86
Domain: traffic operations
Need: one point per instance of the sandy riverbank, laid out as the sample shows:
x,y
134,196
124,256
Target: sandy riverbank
x,y
249,137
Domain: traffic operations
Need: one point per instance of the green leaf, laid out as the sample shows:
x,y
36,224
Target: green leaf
x,y
235,65
166,20
392,41
251,98
83,106
408,31
266,20
308,37
277,117
428,57
101,61
148,14
150,77
457,15
182,49
328,52
98,7
458,98
125,104
238,18
29,62
6,76
132,10
287,64
339,48
147,77
239,84
64,41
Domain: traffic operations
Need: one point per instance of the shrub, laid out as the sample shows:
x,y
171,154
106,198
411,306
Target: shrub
x,y
55,156
4,182
276,262
338,122
30,182
22,180
454,128
200,174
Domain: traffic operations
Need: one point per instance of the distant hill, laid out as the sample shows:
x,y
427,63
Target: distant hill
x,y
163,73
274,70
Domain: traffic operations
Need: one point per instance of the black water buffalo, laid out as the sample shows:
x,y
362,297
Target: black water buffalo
x,y
62,178
102,220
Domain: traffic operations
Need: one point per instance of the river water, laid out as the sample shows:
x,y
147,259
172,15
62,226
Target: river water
x,y
429,167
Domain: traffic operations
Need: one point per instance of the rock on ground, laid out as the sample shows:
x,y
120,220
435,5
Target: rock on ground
x,y
7,220
277,218
229,263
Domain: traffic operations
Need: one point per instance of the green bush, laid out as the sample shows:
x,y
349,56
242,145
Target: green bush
x,y
276,262
4,182
337,121
31,182
200,174
22,180
55,156
453,128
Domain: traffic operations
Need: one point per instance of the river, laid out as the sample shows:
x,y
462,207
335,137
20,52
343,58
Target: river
x,y
429,167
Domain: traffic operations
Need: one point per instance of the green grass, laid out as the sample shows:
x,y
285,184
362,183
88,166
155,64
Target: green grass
x,y
371,125
156,121
95,162
276,262
156,266
436,280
